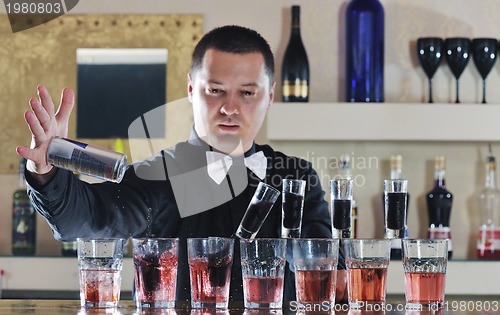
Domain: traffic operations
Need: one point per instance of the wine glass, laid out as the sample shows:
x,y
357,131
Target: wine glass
x,y
457,56
484,52
430,54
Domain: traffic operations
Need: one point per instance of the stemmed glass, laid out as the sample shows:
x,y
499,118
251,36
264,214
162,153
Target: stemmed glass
x,y
484,52
457,56
430,54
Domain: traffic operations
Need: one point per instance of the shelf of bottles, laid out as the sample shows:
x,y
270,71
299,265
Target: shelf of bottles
x,y
383,122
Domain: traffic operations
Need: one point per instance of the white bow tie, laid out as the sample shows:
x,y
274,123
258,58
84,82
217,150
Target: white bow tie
x,y
218,164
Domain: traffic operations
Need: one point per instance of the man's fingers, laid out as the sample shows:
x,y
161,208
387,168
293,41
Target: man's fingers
x,y
67,102
34,125
46,100
41,114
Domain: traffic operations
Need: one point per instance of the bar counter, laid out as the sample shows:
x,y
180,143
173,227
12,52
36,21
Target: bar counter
x,y
395,305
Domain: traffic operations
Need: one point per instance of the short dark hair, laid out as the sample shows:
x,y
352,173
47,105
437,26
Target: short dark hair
x,y
233,39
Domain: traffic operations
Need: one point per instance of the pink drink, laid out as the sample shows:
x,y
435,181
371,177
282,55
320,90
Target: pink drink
x,y
315,286
425,288
155,278
263,289
210,282
100,288
367,284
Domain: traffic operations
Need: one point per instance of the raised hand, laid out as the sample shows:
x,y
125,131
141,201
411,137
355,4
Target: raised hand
x,y
44,123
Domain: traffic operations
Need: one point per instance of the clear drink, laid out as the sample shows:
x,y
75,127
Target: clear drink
x,y
425,288
263,289
155,279
315,286
100,288
210,282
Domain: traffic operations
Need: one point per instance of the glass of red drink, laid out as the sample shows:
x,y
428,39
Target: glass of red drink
x,y
100,264
155,271
315,261
367,261
341,204
210,261
263,268
424,264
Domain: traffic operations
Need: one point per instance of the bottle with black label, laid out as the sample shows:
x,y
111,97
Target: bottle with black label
x,y
295,67
23,219
439,201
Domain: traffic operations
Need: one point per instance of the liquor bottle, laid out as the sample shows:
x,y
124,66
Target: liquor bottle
x,y
345,172
23,219
396,165
69,249
364,51
295,67
439,202
488,239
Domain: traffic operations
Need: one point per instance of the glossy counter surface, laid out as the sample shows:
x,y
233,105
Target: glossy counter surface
x,y
395,305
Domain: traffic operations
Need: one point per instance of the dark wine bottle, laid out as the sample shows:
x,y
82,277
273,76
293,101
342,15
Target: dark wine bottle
x,y
439,201
23,219
364,51
295,67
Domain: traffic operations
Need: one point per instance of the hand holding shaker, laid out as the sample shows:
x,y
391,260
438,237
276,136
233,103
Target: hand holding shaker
x,y
86,159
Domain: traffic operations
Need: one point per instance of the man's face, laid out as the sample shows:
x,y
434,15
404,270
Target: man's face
x,y
230,94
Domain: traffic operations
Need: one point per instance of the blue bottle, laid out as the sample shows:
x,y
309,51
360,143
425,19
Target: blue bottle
x,y
365,51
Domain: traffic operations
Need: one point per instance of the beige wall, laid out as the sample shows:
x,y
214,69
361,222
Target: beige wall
x,y
322,22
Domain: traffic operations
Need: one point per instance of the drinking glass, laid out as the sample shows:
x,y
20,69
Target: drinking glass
x,y
341,204
457,57
292,207
367,261
263,269
155,271
430,54
315,261
424,264
210,261
395,194
100,263
262,201
484,53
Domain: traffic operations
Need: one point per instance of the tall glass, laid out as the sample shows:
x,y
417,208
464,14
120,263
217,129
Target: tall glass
x,y
261,204
367,261
100,263
341,204
424,264
263,269
292,207
395,194
155,271
315,261
210,261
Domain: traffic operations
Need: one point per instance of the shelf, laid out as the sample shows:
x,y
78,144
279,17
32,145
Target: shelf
x,y
383,122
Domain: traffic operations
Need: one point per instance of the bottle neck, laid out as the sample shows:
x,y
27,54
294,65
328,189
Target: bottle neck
x,y
22,179
439,178
295,25
490,178
395,173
